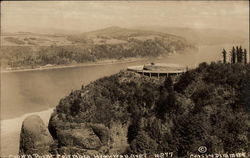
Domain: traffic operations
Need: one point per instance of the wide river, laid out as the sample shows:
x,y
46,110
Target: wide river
x,y
28,92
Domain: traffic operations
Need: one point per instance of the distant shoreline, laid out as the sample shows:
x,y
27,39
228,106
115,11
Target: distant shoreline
x,y
97,63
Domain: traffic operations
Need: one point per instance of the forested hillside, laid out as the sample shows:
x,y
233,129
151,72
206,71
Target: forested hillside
x,y
133,114
109,43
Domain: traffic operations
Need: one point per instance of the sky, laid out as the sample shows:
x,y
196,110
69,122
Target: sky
x,y
81,16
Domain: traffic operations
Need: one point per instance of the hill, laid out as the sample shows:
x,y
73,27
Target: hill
x,y
29,50
33,39
202,36
123,35
127,113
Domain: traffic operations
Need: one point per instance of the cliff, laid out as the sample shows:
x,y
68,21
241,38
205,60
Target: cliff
x,y
127,113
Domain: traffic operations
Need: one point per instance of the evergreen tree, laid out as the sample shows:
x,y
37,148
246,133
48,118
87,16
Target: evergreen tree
x,y
239,54
233,56
134,128
245,56
237,49
236,54
168,84
224,53
167,102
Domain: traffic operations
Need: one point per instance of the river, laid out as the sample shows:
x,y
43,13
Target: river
x,y
28,92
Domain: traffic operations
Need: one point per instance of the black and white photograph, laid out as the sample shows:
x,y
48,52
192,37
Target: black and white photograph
x,y
125,79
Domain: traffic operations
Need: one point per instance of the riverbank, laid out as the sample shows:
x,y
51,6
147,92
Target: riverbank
x,y
97,63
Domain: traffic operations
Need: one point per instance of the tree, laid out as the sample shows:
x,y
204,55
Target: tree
x,y
143,144
233,56
224,53
245,56
133,129
185,80
168,99
239,54
168,84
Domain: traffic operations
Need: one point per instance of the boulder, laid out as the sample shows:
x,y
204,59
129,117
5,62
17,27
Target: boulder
x,y
84,138
34,137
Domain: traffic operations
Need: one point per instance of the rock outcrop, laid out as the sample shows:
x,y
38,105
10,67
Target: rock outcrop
x,y
35,137
88,121
95,119
128,113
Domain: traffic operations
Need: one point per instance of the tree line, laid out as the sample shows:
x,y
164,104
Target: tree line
x,y
236,55
24,56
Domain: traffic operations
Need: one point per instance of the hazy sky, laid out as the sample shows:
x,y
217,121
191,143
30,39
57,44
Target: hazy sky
x,y
86,15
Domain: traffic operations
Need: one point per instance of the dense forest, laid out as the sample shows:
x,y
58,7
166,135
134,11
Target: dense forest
x,y
111,43
207,106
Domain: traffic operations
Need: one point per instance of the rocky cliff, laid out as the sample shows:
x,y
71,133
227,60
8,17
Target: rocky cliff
x,y
127,113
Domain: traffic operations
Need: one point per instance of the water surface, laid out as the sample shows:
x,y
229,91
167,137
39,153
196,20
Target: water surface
x,y
23,93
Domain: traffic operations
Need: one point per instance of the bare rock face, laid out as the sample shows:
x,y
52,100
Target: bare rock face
x,y
34,138
82,138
